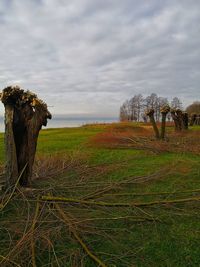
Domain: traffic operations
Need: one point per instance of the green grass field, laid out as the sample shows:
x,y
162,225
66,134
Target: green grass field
x,y
117,224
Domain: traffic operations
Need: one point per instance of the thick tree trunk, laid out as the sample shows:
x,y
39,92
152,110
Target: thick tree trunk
x,y
164,111
10,149
20,131
153,122
180,119
185,120
34,127
176,121
163,125
24,116
150,113
179,115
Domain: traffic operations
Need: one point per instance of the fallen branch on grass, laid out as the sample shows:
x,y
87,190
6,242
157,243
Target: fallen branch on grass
x,y
132,218
126,180
3,205
106,204
12,262
154,193
33,230
25,240
77,237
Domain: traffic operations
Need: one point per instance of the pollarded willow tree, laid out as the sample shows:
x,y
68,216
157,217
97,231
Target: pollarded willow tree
x,y
25,114
164,110
150,114
180,119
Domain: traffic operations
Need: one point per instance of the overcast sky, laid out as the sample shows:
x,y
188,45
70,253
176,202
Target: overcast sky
x,y
88,56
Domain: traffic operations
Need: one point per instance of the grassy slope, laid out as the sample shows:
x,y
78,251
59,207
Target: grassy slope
x,y
173,241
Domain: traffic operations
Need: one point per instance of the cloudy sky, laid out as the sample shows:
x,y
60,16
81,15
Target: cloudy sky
x,y
88,56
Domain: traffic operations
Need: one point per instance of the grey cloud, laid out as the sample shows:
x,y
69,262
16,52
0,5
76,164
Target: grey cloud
x,y
87,56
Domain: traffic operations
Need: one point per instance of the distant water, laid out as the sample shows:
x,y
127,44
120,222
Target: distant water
x,y
59,122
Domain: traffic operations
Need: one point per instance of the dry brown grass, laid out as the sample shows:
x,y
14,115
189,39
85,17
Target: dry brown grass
x,y
142,137
47,166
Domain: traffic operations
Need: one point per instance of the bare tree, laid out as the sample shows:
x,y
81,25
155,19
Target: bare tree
x,y
176,103
139,105
153,103
123,113
136,105
132,109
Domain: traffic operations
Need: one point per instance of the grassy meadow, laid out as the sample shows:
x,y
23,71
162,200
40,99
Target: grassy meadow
x,y
106,195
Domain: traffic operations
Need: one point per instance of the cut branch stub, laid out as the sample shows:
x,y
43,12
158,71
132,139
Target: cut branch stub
x,y
150,114
24,116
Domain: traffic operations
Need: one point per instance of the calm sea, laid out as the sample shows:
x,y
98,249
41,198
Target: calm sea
x,y
59,122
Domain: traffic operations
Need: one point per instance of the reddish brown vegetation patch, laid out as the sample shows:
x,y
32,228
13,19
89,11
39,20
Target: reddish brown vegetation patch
x,y
119,133
142,137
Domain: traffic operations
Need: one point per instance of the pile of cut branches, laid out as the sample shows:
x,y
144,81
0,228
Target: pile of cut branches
x,y
142,139
92,228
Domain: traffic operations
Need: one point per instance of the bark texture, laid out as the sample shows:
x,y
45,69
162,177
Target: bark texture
x,y
180,119
24,116
164,111
150,114
185,120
